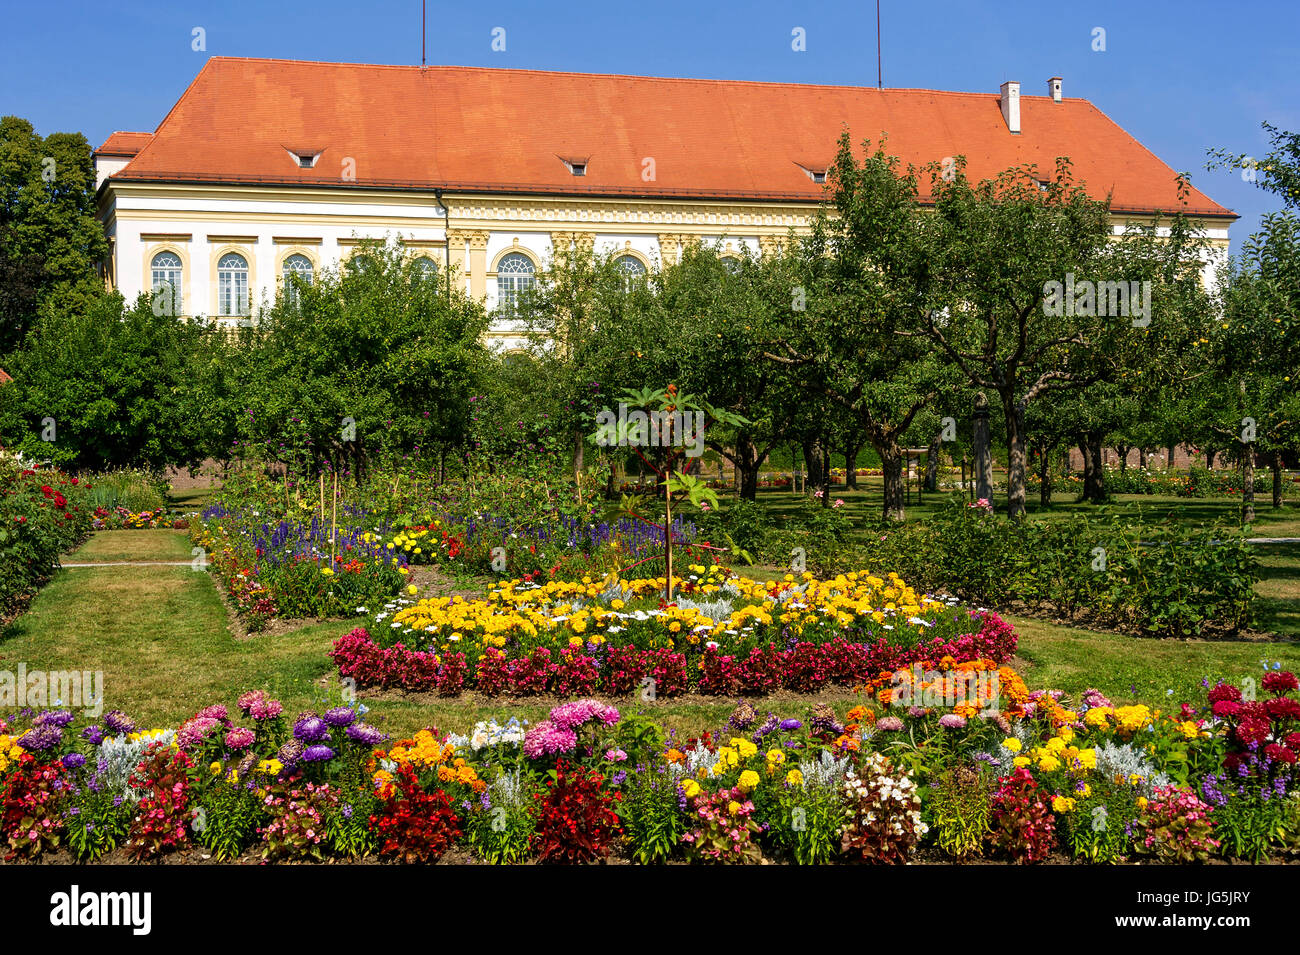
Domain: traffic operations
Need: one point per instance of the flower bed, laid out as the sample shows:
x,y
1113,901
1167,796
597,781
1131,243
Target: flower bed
x,y
926,765
43,514
722,635
122,519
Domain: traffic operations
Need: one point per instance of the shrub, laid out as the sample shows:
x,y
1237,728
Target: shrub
x,y
43,513
576,820
884,813
501,828
959,810
724,829
1175,827
296,827
162,816
414,825
651,814
1023,824
30,820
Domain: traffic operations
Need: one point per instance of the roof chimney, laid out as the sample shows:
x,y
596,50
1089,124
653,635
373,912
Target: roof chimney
x,y
1054,89
1011,105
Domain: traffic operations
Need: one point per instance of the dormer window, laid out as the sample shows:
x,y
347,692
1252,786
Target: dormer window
x,y
577,165
817,173
304,158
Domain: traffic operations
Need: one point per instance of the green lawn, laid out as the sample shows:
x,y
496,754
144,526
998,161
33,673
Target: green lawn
x,y
167,545
161,637
1278,609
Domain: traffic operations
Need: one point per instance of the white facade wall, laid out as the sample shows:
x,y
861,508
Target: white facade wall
x,y
263,231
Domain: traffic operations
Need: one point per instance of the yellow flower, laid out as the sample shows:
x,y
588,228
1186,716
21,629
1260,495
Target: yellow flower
x,y
1049,763
775,756
794,777
1142,802
1021,761
1012,744
748,780
215,768
1062,804
412,589
691,788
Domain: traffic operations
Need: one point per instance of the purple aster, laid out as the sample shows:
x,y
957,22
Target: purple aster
x,y
119,722
791,725
952,721
290,752
311,729
340,716
317,754
365,734
59,718
94,735
40,738
889,724
73,761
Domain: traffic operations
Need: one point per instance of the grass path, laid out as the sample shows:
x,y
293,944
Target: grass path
x,y
160,636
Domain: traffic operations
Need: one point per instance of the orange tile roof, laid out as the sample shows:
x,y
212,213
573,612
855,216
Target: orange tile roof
x,y
468,129
124,144
4,377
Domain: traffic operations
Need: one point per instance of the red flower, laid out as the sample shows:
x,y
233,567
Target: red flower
x,y
1280,681
1225,691
1279,754
1252,731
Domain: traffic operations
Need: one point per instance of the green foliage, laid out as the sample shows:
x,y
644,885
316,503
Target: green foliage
x,y
1163,579
108,386
51,241
959,810
373,361
651,816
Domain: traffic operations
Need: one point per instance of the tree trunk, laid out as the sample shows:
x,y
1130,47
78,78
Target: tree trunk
x,y
1122,450
983,475
1277,478
1045,478
932,462
891,461
1169,463
1142,458
1094,475
1247,483
747,467
1015,415
851,450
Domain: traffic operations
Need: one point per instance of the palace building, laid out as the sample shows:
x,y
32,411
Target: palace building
x,y
267,168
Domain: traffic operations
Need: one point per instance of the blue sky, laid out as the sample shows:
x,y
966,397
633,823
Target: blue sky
x,y
1181,77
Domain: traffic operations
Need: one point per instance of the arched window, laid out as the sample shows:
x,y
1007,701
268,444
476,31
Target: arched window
x,y
515,273
167,274
731,264
232,284
297,268
631,267
426,267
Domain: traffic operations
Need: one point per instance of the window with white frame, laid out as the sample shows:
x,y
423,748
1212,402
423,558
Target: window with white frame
x,y
167,275
515,274
426,267
632,268
232,284
297,271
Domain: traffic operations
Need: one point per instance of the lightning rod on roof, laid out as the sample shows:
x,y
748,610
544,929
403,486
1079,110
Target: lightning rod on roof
x,y
424,9
880,70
